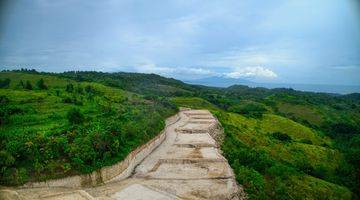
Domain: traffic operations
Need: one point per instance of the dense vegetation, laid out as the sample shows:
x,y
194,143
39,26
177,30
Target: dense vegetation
x,y
53,127
281,143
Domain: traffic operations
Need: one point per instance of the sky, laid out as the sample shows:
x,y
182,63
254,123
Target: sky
x,y
272,41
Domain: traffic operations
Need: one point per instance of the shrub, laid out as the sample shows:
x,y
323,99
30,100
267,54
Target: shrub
x,y
67,100
75,116
57,92
281,171
21,84
341,129
15,176
79,89
89,89
281,136
41,84
28,85
5,83
253,182
306,141
69,88
6,159
252,109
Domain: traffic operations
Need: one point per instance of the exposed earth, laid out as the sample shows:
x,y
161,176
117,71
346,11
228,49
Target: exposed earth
x,y
187,165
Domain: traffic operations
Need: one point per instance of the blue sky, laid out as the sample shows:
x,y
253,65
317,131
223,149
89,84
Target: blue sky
x,y
302,41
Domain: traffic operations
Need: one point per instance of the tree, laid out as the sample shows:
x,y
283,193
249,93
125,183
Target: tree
x,y
250,109
41,84
89,89
69,87
21,84
28,85
5,83
282,136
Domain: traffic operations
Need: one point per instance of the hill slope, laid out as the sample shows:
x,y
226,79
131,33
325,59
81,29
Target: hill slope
x,y
281,143
70,127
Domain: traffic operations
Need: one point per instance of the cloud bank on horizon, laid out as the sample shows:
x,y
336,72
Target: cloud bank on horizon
x,y
282,41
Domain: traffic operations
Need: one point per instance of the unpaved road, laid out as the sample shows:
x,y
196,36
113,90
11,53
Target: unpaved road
x,y
187,165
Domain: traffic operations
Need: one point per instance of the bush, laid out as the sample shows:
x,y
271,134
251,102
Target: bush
x,y
306,141
73,100
5,83
341,129
15,176
281,171
79,90
90,89
20,85
57,92
281,136
253,182
41,84
67,100
75,116
252,109
28,85
69,88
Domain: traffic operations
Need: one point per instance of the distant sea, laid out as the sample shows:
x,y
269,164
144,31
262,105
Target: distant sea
x,y
226,82
339,89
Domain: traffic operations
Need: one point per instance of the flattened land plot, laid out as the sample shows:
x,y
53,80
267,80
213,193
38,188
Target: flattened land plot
x,y
194,128
197,189
140,192
197,170
202,121
195,140
79,195
197,112
201,116
192,153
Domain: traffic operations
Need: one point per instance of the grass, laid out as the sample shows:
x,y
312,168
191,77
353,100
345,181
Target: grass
x,y
268,168
39,142
281,143
301,112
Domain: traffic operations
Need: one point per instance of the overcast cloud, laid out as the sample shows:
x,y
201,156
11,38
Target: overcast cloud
x,y
267,41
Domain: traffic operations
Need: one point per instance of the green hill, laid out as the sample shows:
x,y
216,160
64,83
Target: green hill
x,y
70,127
281,143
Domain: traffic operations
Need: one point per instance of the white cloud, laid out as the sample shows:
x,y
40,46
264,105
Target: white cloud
x,y
252,72
184,72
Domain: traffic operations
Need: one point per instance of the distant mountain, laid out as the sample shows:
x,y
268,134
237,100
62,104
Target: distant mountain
x,y
217,81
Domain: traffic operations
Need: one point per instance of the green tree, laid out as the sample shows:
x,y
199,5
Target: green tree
x,y
252,109
69,87
89,89
281,136
41,84
28,85
5,83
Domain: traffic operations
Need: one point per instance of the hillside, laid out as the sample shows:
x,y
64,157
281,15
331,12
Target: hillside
x,y
281,143
70,127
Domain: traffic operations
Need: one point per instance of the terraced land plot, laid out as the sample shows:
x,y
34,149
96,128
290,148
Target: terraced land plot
x,y
186,165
